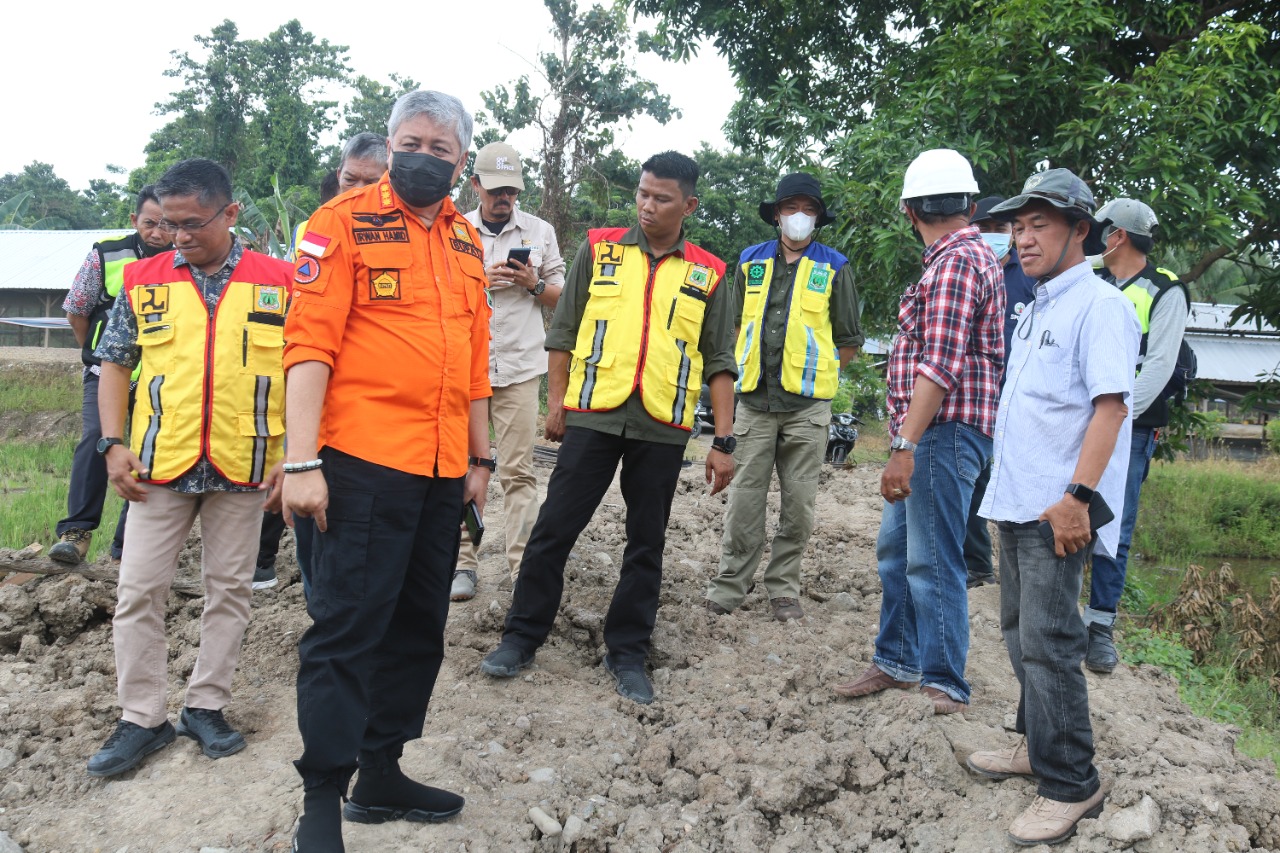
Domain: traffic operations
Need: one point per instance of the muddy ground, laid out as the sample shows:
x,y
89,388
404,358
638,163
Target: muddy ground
x,y
745,749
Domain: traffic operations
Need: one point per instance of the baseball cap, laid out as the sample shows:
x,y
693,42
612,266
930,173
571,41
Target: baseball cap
x,y
498,165
983,213
1129,215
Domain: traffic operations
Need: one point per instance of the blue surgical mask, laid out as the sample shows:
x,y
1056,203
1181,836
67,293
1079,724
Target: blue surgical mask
x,y
999,243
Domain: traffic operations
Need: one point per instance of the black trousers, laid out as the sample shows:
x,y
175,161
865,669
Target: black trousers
x,y
87,490
584,469
269,544
379,600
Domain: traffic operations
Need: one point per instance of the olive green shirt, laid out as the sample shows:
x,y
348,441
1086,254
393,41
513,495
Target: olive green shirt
x,y
846,331
631,419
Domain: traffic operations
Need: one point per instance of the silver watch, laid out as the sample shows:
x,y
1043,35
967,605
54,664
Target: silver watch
x,y
538,288
900,443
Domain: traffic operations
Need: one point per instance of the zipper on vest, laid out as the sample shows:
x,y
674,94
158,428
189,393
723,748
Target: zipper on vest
x,y
244,347
648,310
671,315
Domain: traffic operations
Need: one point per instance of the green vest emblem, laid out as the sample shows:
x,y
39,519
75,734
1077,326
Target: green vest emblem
x,y
755,274
819,279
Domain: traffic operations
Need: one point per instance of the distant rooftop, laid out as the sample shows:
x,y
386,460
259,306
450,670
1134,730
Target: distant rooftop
x,y
46,260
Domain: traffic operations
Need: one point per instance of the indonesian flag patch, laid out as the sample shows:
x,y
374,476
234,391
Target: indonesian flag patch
x,y
314,244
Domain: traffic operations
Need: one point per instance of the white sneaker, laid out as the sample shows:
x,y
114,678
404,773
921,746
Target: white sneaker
x,y
464,585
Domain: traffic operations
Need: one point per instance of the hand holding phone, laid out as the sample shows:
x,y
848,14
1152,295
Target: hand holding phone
x,y
475,524
521,255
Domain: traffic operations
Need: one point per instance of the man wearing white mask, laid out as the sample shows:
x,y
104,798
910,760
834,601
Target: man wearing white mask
x,y
1019,293
798,325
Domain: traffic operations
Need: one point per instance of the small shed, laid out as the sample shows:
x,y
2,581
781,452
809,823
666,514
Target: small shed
x,y
1235,357
36,271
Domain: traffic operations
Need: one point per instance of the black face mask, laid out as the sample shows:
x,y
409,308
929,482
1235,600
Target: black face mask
x,y
420,179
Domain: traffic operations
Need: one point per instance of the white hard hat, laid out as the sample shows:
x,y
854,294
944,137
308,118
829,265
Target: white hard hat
x,y
940,171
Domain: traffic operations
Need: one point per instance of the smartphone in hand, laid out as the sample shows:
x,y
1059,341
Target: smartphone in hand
x,y
475,524
521,255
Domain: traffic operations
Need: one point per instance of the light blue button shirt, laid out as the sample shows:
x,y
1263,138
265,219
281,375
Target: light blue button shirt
x,y
1079,341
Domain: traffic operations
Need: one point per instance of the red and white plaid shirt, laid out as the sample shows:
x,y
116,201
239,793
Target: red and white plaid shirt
x,y
951,331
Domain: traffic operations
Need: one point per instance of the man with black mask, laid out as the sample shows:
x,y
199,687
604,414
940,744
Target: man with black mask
x,y
387,356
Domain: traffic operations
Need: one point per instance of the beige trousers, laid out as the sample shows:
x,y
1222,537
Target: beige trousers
x,y
513,411
793,443
230,523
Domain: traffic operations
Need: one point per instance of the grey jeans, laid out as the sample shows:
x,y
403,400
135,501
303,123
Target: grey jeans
x,y
1047,640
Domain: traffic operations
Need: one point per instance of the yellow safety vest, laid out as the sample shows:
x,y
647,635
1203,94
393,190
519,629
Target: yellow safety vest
x,y
810,359
209,387
640,329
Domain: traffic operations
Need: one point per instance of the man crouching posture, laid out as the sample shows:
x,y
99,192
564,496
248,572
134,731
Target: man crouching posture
x,y
1062,435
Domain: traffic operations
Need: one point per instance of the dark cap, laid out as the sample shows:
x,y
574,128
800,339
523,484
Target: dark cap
x,y
797,183
983,213
1062,189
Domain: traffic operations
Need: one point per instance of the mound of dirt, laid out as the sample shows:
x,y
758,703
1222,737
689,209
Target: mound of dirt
x,y
745,749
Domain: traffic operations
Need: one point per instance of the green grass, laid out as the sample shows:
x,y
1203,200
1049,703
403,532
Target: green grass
x,y
1214,690
1210,508
34,388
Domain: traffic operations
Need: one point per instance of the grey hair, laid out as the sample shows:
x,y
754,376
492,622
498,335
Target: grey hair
x,y
365,146
439,107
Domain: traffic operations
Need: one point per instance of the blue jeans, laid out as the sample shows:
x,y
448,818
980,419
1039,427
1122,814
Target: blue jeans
x,y
1046,639
1107,582
924,611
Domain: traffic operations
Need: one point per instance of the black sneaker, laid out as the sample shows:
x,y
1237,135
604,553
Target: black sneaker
x,y
217,737
127,746
632,683
506,661
1101,656
264,577
438,806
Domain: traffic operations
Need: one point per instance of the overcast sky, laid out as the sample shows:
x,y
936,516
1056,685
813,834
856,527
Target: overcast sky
x,y
82,95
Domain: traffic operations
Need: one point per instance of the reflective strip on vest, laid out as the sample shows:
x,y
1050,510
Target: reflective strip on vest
x,y
640,329
810,359
233,364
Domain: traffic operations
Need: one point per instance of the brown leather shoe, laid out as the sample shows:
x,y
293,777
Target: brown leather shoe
x,y
942,703
872,681
1049,821
786,609
713,608
1002,763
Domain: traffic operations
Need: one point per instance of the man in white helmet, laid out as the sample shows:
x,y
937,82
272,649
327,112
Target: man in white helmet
x,y
944,381
1162,303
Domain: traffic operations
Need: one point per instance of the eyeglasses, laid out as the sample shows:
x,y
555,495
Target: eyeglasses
x,y
511,191
172,228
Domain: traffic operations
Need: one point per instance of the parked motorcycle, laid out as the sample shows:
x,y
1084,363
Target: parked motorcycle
x,y
842,435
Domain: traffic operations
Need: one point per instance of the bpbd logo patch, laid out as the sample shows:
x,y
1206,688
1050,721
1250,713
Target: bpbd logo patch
x,y
384,284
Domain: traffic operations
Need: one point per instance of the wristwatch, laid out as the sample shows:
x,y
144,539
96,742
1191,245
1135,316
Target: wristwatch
x,y
105,444
900,443
482,462
538,288
724,443
1080,492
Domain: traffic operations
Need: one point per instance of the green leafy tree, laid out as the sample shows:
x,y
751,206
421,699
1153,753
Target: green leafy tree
x,y
369,110
1175,102
586,88
730,188
52,204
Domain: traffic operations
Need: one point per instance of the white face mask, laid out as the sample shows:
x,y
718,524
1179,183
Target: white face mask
x,y
999,243
797,226
1099,261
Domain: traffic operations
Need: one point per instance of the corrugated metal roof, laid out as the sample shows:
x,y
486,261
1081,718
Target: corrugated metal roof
x,y
46,260
1217,318
1233,358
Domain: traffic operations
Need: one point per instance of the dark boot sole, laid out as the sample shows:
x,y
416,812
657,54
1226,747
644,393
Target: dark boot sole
x,y
156,745
1091,813
72,559
205,748
1101,669
357,813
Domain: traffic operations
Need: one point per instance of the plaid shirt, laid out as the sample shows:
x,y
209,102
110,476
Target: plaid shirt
x,y
951,331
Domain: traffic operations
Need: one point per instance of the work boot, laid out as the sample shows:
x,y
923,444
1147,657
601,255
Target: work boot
x,y
320,824
1101,656
1002,763
1048,821
72,546
464,585
210,729
715,609
506,661
786,609
127,746
631,681
383,793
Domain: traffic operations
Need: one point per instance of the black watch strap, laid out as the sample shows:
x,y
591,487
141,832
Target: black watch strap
x,y
724,443
482,462
1080,492
106,443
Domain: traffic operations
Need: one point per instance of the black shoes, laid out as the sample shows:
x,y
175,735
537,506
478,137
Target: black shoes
x,y
506,661
1101,656
632,683
383,793
211,730
127,746
264,577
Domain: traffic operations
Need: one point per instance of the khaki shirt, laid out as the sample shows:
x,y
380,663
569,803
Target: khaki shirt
x,y
516,352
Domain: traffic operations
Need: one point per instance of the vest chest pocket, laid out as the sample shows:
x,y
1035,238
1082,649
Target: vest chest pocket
x,y
262,350
813,305
158,350
685,318
603,301
387,278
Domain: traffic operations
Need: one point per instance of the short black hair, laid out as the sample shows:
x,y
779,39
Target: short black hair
x,y
933,209
329,185
146,194
198,177
674,166
1141,242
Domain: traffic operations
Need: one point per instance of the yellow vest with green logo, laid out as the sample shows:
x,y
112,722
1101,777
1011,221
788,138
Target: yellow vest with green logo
x,y
810,359
640,329
212,387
